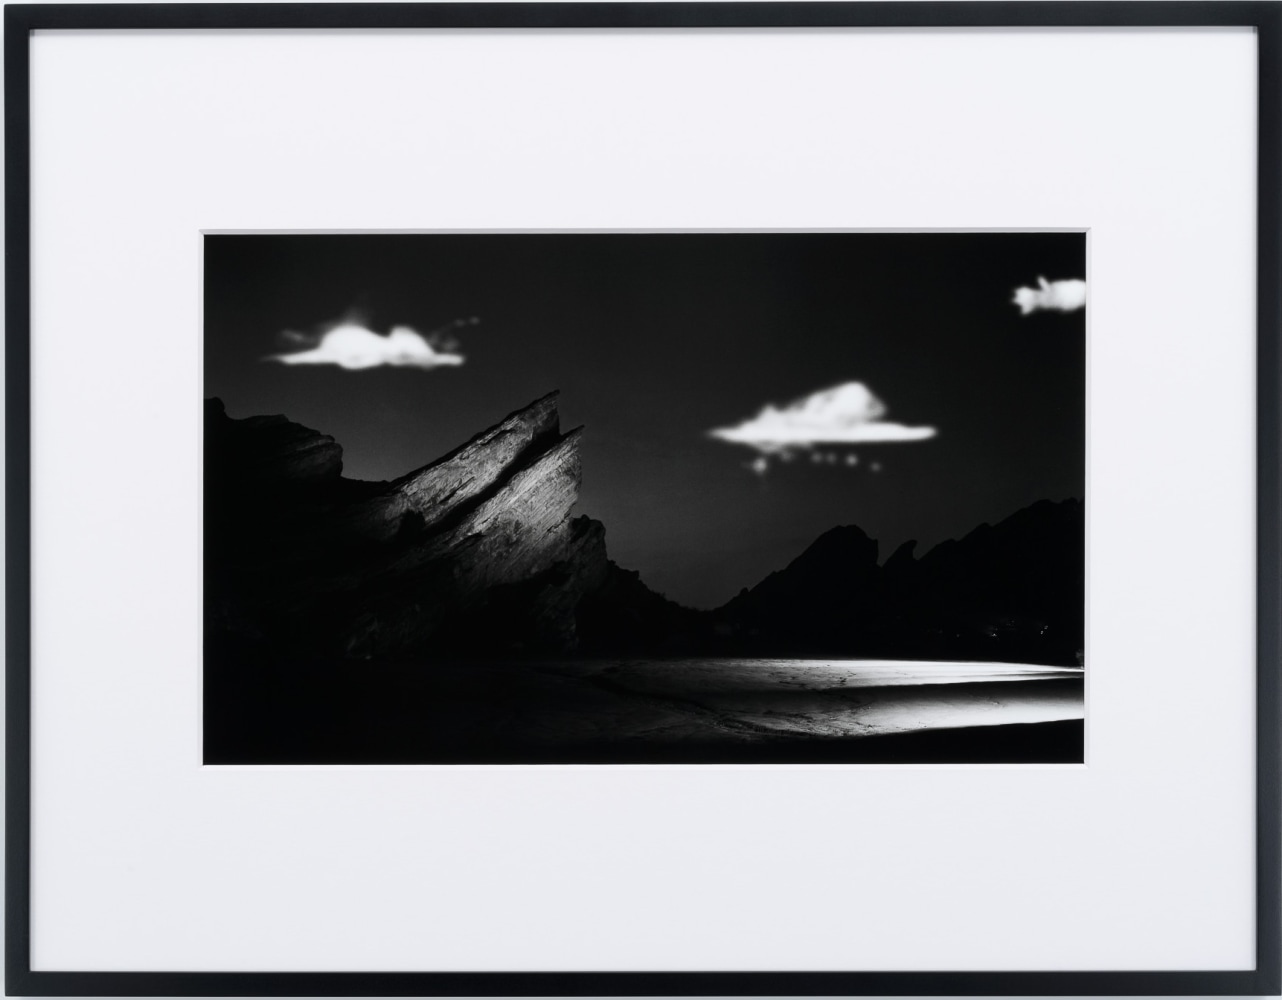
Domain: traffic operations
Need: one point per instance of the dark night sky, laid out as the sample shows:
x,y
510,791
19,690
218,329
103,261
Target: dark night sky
x,y
653,340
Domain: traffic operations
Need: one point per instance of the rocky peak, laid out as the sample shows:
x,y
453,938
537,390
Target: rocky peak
x,y
429,494
350,568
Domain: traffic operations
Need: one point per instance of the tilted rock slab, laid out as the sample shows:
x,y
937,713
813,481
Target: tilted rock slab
x,y
475,551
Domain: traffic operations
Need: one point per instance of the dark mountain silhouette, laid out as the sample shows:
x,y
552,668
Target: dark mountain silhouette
x,y
1020,584
478,553
1012,591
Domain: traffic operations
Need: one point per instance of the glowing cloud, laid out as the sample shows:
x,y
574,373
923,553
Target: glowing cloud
x,y
352,346
844,414
1064,296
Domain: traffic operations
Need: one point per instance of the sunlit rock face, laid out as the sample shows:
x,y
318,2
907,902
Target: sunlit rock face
x,y
428,495
477,550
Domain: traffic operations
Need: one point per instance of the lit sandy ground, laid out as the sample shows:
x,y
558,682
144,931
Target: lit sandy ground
x,y
765,699
639,711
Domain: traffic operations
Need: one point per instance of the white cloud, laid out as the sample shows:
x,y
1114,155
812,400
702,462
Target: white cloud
x,y
352,346
844,414
1066,296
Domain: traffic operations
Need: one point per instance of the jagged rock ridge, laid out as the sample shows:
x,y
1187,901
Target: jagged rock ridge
x,y
479,553
478,549
1011,591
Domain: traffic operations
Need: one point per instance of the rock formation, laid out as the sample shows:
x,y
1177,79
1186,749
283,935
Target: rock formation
x,y
477,550
479,554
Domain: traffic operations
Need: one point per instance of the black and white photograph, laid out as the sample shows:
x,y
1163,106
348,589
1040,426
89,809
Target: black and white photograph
x,y
645,497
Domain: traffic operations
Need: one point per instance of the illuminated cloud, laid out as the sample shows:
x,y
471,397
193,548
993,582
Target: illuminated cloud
x,y
844,414
1064,296
353,347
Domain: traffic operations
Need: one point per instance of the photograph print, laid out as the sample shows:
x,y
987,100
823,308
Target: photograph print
x,y
645,497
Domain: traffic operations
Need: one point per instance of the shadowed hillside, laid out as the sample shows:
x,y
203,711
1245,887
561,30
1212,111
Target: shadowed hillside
x,y
1012,591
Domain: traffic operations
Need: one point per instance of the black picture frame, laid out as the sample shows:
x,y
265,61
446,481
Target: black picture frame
x,y
1265,17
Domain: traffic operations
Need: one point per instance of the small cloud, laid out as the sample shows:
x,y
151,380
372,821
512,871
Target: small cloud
x,y
354,347
1064,296
759,465
844,414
